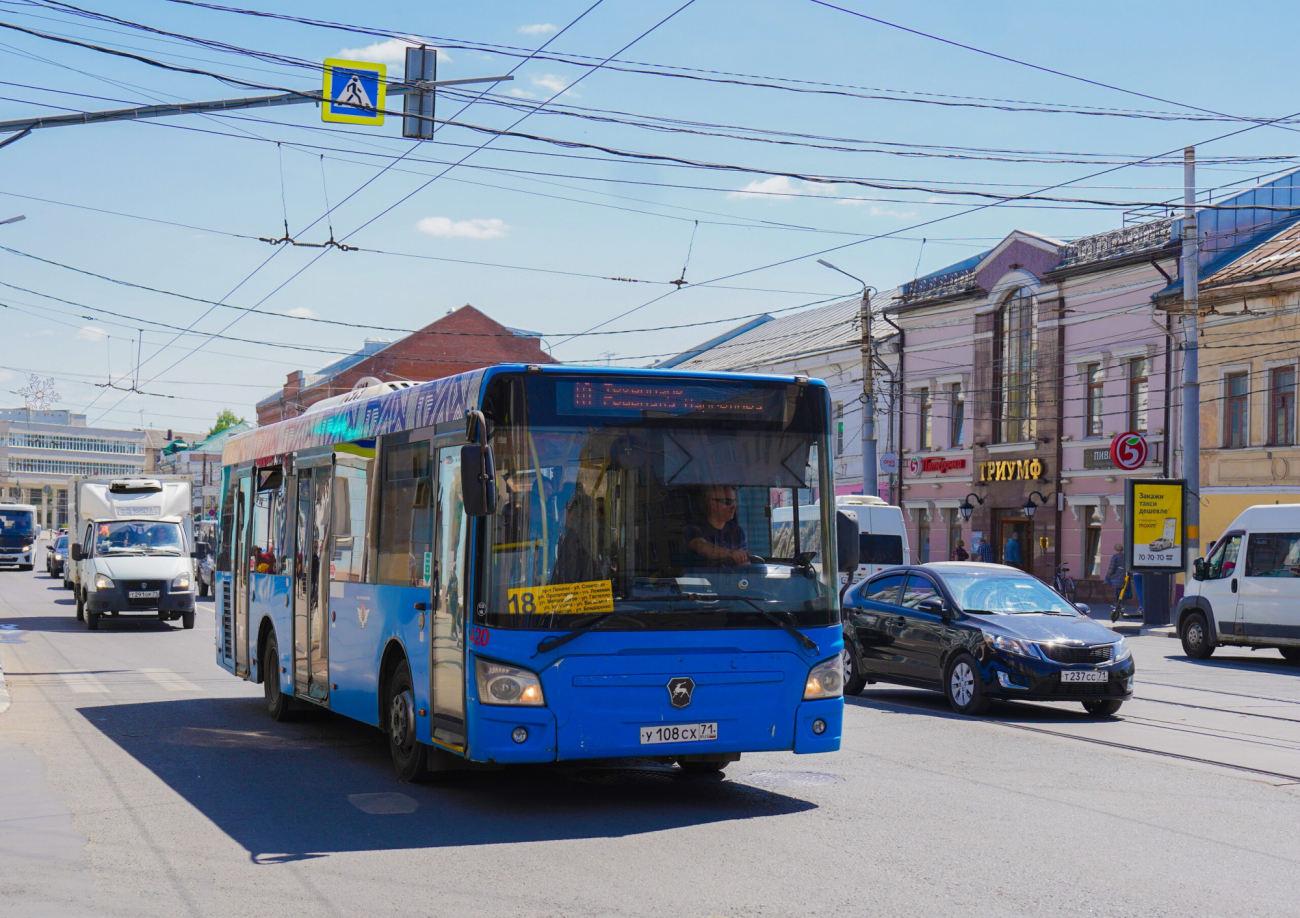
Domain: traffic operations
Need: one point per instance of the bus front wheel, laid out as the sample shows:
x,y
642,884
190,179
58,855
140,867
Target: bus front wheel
x,y
278,704
410,756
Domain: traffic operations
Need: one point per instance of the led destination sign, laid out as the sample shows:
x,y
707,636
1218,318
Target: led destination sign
x,y
638,398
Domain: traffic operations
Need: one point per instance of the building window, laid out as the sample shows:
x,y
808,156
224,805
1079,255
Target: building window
x,y
1096,378
1237,390
957,417
923,538
1138,390
839,428
1013,369
954,533
924,439
62,467
1092,543
1281,407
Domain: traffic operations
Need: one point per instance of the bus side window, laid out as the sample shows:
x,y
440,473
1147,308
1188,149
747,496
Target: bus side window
x,y
405,549
266,549
348,526
227,528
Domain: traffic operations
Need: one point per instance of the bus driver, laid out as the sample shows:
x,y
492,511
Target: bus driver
x,y
719,540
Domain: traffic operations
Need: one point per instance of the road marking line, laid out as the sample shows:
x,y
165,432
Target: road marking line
x,y
83,683
170,681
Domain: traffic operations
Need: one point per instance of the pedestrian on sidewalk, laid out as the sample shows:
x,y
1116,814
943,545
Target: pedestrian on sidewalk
x,y
1011,553
984,551
959,553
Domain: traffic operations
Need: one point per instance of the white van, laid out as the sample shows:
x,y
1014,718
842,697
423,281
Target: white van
x,y
880,527
1246,591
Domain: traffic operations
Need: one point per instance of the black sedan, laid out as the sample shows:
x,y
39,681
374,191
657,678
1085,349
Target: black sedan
x,y
978,632
56,557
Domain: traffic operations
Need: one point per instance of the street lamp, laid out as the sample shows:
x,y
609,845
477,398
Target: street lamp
x,y
13,219
967,508
1030,507
870,481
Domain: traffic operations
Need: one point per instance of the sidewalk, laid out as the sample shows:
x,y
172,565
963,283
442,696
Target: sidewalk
x,y
1100,613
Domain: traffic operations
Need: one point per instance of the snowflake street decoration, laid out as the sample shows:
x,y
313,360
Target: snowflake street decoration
x,y
39,394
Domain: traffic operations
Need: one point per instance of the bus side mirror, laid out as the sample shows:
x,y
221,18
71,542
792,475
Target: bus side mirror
x,y
478,480
1198,569
76,551
848,543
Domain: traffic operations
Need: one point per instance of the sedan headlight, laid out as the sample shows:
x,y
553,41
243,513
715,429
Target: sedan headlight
x,y
1013,645
825,680
182,582
103,583
507,685
1121,651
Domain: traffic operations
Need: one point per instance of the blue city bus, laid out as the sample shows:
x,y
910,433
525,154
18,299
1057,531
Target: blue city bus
x,y
543,563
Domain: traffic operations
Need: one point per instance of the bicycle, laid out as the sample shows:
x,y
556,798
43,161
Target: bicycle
x,y
1063,583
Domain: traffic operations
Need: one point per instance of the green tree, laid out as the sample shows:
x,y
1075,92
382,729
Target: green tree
x,y
226,420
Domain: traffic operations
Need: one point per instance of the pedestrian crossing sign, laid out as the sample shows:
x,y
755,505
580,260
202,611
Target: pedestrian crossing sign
x,y
354,92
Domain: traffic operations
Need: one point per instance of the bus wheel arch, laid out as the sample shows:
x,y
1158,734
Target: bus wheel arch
x,y
393,657
264,632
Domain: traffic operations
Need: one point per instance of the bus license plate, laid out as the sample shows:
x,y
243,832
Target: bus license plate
x,y
678,733
142,594
1078,675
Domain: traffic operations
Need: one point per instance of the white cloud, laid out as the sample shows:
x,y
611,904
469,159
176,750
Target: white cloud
x,y
778,187
43,333
541,28
447,228
392,51
91,333
553,84
521,94
875,210
301,312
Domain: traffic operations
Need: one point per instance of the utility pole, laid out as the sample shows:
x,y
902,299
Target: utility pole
x,y
1191,368
870,482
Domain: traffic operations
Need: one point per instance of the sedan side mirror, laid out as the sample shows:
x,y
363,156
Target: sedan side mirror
x,y
1083,609
848,541
76,551
1198,569
933,605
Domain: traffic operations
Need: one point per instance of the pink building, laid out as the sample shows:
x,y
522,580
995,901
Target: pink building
x,y
1019,366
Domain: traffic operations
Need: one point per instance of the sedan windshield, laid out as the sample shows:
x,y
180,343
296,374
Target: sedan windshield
x,y
675,506
1005,594
134,537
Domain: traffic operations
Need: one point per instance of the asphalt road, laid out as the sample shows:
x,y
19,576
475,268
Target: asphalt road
x,y
139,779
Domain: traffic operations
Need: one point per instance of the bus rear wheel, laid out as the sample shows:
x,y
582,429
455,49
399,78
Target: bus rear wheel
x,y
410,756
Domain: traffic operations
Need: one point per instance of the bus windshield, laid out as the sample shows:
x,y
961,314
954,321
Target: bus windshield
x,y
655,500
18,522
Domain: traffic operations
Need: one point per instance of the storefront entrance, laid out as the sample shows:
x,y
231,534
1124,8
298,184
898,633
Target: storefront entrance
x,y
1007,523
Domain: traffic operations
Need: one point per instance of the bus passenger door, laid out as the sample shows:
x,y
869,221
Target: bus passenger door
x,y
449,597
239,571
310,607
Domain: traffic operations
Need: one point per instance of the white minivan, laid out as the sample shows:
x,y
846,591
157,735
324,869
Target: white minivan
x,y
881,532
1246,591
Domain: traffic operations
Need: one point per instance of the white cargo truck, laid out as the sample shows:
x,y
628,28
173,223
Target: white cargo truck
x,y
132,547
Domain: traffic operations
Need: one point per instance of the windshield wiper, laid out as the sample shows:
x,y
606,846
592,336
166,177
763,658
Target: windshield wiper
x,y
548,644
804,640
1043,612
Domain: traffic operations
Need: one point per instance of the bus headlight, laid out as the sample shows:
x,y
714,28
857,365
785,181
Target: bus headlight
x,y
182,582
825,680
507,685
103,583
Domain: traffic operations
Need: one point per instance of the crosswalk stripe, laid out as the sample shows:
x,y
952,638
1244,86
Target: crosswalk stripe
x,y
171,681
83,683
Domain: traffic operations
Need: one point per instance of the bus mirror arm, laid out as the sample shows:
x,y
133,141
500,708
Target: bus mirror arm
x,y
848,543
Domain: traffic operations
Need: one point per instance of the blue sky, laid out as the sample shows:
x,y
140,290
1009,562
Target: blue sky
x,y
200,183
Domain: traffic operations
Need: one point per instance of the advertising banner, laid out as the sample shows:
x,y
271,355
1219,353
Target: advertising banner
x,y
1154,514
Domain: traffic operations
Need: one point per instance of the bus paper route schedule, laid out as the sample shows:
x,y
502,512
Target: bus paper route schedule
x,y
594,596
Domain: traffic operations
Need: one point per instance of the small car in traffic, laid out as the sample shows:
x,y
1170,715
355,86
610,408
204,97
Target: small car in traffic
x,y
979,632
56,557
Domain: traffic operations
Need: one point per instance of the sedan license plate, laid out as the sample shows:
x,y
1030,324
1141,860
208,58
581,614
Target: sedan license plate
x,y
1079,675
142,594
678,733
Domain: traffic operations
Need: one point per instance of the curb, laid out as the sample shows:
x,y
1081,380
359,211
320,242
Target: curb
x,y
4,692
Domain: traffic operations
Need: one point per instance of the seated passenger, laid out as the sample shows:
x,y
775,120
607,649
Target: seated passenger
x,y
719,540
